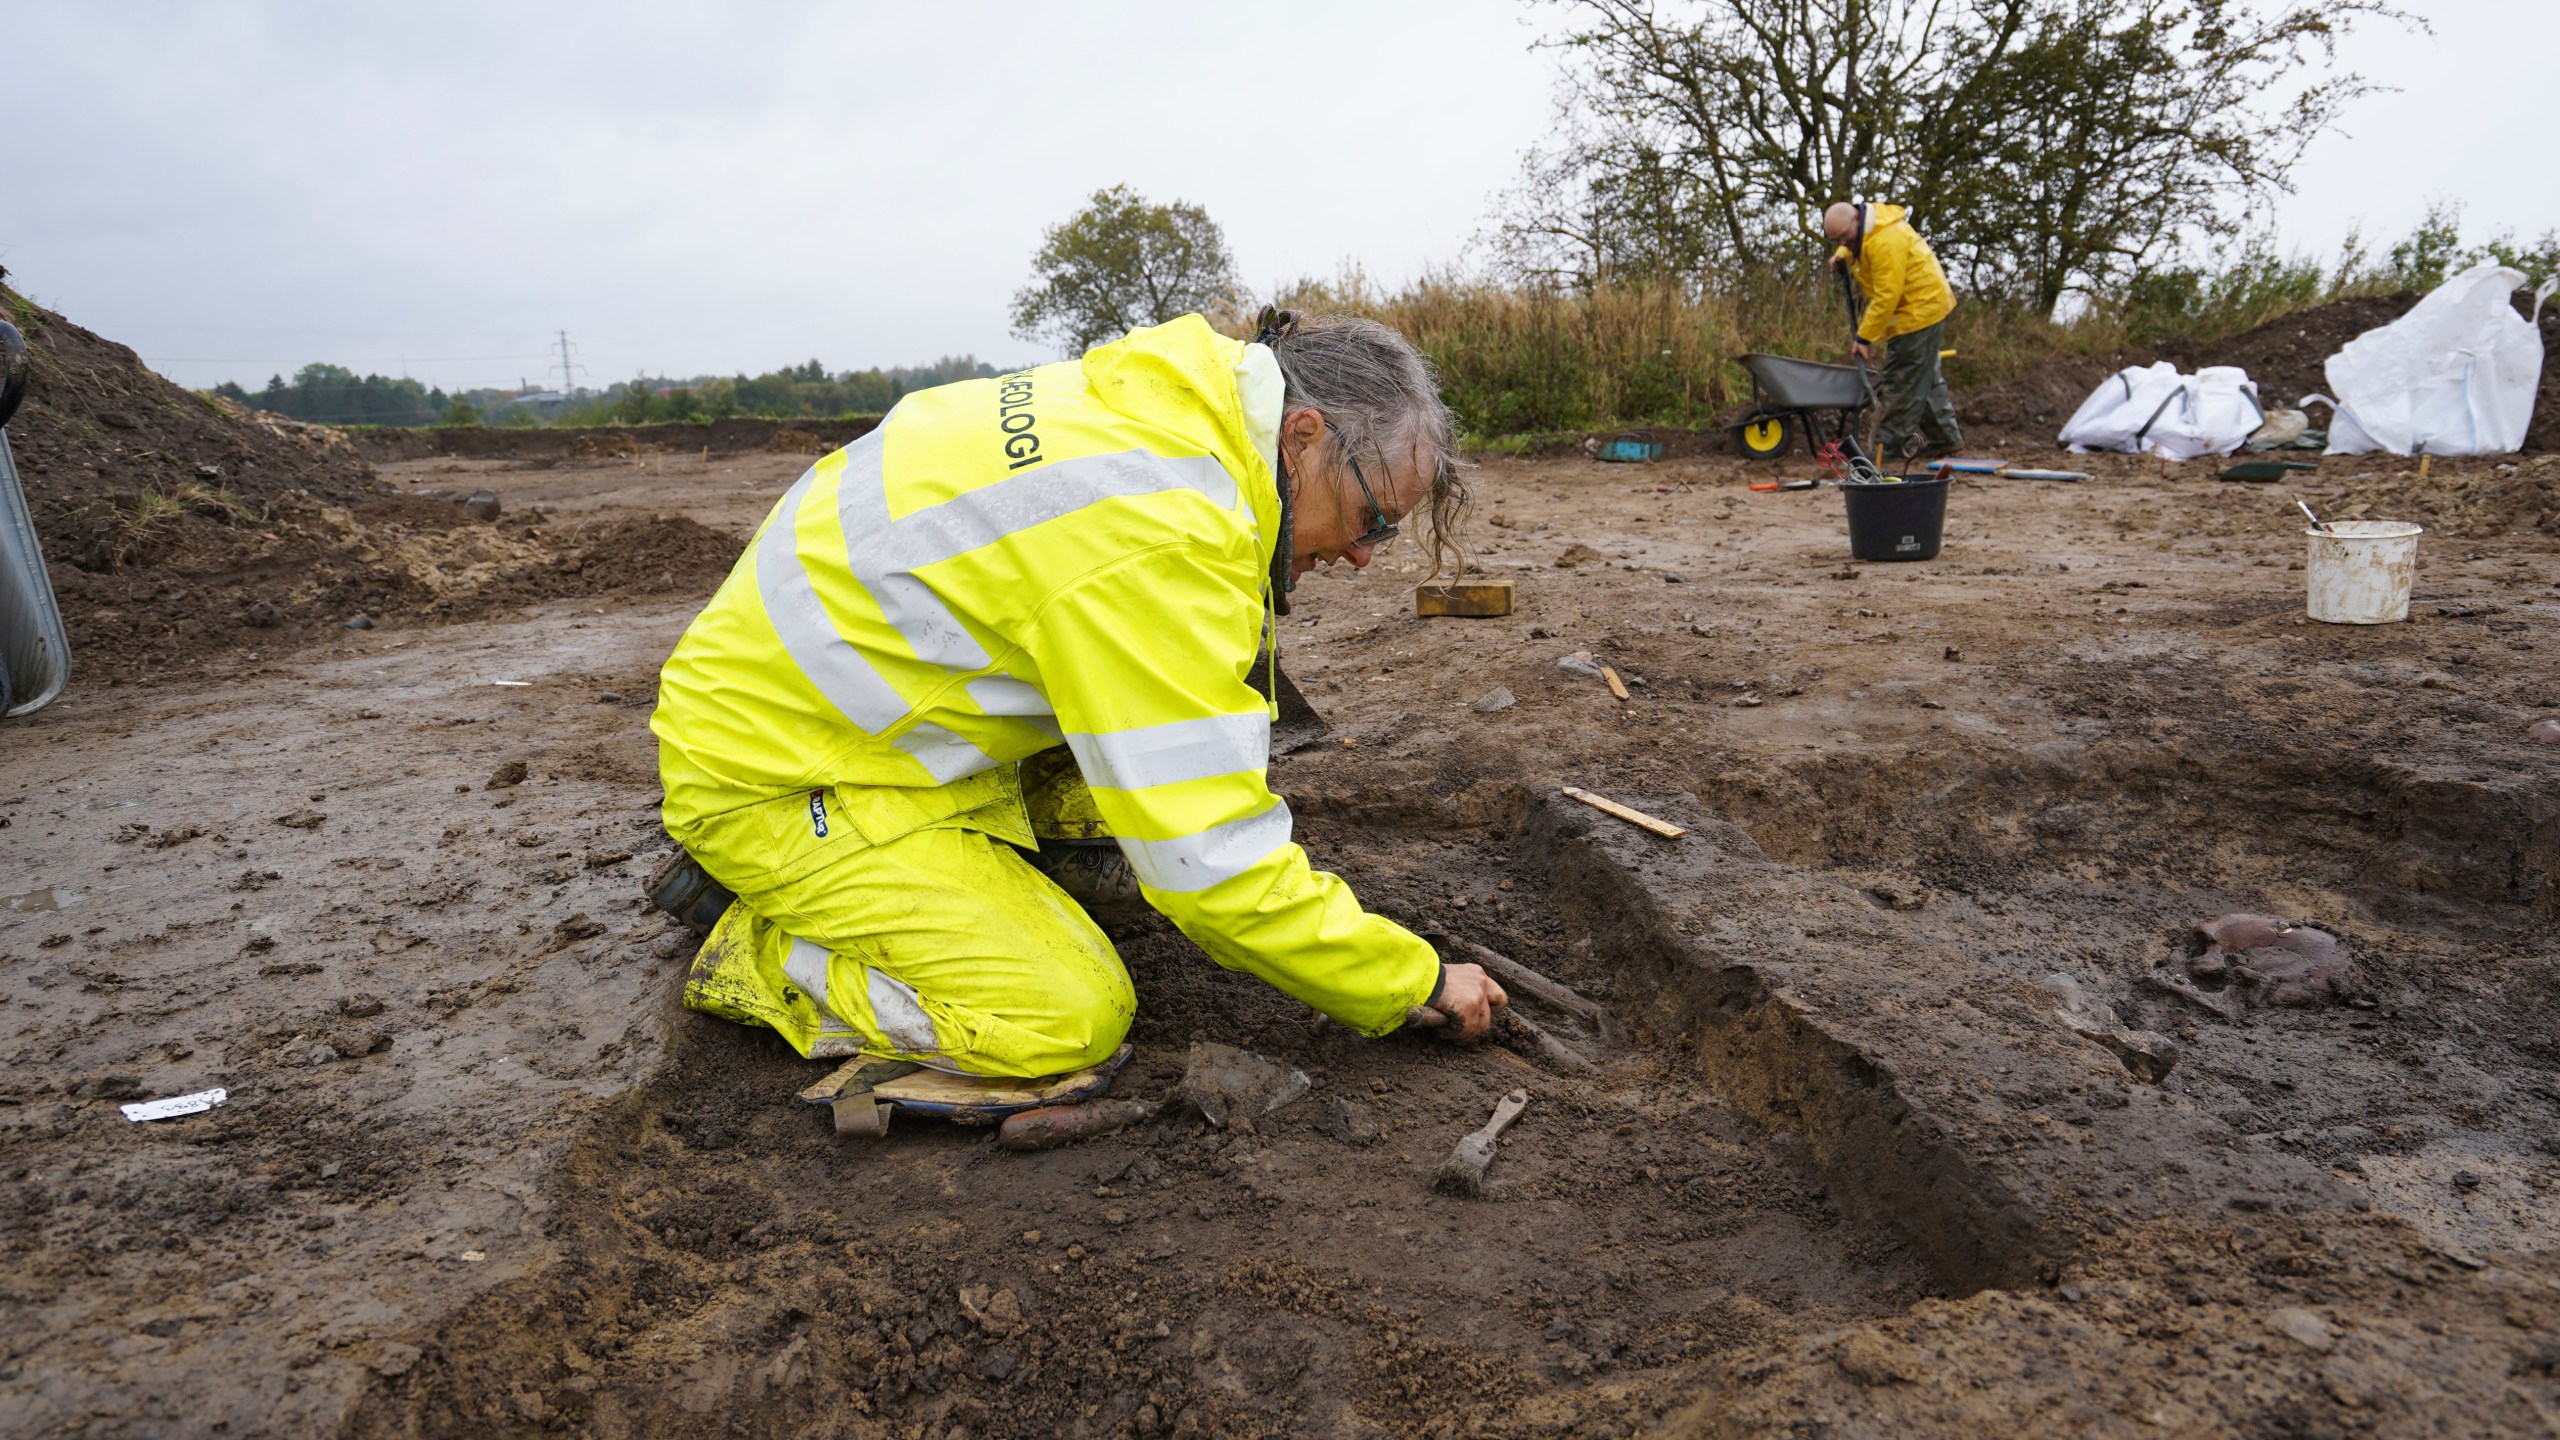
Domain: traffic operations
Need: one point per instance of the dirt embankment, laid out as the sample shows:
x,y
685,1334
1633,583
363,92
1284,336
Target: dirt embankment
x,y
710,437
181,530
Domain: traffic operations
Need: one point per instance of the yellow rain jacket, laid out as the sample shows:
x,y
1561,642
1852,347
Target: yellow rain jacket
x,y
1075,552
1905,289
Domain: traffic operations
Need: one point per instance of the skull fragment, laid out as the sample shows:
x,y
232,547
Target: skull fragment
x,y
2270,961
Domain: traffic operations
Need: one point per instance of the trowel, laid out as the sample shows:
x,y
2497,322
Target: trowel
x,y
1299,726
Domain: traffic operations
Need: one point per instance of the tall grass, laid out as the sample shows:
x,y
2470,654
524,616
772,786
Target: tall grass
x,y
1520,361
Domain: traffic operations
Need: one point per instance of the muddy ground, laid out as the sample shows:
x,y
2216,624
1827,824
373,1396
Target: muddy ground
x,y
1841,1171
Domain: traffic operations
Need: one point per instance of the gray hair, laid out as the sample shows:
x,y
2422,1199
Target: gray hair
x,y
1383,396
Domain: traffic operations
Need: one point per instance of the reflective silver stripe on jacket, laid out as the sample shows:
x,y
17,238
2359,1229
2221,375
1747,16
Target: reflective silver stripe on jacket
x,y
885,553
1215,855
1171,753
834,666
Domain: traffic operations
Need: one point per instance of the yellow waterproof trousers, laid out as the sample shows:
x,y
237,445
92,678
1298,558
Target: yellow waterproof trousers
x,y
918,932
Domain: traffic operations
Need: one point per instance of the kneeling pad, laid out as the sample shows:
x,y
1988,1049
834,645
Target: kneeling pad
x,y
961,1099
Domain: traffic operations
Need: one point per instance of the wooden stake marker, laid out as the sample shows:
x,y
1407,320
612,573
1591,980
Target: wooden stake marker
x,y
1617,686
1638,818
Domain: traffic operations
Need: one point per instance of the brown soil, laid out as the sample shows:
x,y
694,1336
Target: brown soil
x,y
184,535
546,447
1841,1169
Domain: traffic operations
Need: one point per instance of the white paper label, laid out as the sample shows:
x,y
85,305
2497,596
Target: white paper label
x,y
175,1105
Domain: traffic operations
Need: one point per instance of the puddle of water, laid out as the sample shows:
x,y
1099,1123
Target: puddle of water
x,y
32,901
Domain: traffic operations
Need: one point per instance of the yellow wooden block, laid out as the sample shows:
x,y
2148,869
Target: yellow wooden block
x,y
1464,597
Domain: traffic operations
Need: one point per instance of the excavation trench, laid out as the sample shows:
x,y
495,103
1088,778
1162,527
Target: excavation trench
x,y
727,1265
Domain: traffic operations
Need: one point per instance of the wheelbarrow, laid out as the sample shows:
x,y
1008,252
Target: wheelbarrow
x,y
35,654
1788,399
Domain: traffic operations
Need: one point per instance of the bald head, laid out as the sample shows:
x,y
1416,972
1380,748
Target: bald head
x,y
1839,223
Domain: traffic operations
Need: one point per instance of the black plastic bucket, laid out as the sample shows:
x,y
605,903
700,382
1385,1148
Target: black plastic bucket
x,y
1901,520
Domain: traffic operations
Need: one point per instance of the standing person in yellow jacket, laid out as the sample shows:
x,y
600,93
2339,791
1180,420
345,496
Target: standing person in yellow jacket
x,y
1080,554
1907,306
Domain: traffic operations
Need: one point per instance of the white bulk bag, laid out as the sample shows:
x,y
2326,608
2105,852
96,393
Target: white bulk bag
x,y
2177,417
2216,412
2118,409
2454,376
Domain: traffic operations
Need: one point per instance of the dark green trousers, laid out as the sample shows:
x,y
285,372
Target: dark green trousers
x,y
1914,392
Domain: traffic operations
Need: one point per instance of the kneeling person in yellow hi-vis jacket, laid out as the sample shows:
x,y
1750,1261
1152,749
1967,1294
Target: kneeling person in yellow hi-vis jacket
x,y
1079,554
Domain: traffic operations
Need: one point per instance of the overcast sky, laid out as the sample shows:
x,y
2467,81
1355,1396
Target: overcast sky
x,y
235,190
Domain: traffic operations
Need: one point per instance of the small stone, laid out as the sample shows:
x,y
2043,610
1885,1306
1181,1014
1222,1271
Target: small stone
x,y
481,505
259,615
360,1007
1674,577
1349,1121
511,773
2303,1328
572,930
1748,702
1578,555
359,622
609,697
997,1364
1030,1237
1952,653
301,820
1872,1359
1497,698
2544,732
475,1256
2465,1180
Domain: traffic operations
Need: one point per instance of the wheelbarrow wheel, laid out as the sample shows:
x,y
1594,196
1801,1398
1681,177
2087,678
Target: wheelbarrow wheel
x,y
1764,437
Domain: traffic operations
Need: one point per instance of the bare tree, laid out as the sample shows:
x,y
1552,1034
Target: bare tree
x,y
2048,145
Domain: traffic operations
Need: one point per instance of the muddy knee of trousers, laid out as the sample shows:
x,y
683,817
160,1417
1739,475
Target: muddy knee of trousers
x,y
1059,802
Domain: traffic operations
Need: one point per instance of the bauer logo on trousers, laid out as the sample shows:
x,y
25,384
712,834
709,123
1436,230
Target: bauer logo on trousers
x,y
818,813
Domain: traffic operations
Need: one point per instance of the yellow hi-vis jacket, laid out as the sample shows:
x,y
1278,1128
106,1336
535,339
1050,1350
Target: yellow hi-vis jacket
x,y
1078,551
1905,289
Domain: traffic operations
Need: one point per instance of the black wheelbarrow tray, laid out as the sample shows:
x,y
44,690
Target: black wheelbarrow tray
x,y
1786,395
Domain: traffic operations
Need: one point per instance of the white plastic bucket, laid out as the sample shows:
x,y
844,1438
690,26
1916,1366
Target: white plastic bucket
x,y
2361,571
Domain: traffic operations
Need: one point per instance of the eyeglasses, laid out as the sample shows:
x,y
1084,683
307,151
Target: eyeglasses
x,y
1382,530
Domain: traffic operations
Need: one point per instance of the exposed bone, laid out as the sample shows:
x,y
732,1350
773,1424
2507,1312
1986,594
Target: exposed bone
x,y
2276,962
2145,1054
2222,1005
1564,1057
1530,982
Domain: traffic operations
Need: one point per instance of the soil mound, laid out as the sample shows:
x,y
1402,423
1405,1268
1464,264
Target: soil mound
x,y
2495,498
2285,356
547,446
304,571
116,459
181,529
